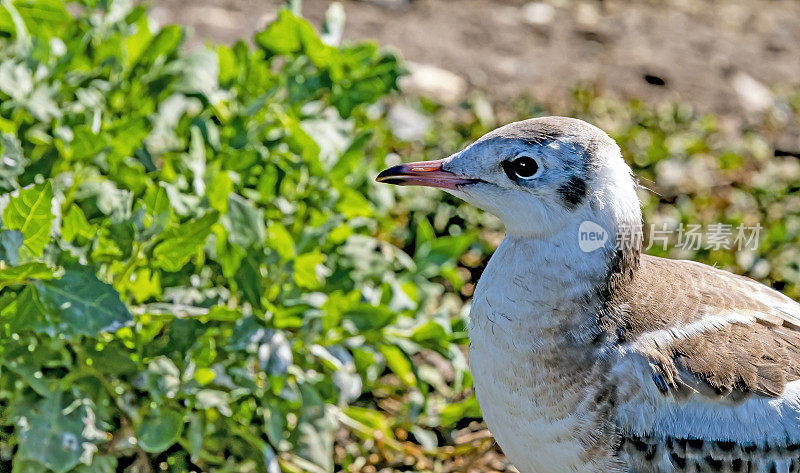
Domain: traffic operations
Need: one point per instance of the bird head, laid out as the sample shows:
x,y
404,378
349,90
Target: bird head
x,y
541,177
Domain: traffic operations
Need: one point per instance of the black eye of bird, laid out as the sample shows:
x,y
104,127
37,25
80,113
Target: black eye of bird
x,y
523,167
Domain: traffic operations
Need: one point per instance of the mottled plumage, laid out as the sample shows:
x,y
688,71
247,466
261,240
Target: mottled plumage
x,y
604,359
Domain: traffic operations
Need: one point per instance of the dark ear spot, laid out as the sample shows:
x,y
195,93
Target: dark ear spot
x,y
573,192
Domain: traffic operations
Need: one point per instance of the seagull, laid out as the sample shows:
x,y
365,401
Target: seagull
x,y
590,356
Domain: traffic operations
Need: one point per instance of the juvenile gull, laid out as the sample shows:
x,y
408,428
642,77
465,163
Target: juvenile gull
x,y
589,356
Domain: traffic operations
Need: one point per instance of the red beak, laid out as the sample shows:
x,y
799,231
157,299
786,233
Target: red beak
x,y
424,173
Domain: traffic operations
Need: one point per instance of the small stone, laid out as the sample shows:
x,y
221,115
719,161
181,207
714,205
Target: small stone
x,y
538,13
215,17
587,14
159,16
435,83
754,96
407,123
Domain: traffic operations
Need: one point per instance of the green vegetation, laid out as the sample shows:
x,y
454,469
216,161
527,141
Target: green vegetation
x,y
198,273
190,270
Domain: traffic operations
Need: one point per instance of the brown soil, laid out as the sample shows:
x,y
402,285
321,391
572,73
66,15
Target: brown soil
x,y
678,50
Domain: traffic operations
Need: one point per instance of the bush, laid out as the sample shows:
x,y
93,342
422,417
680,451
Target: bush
x,y
190,270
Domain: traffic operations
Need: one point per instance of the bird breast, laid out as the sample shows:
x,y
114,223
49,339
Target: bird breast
x,y
536,386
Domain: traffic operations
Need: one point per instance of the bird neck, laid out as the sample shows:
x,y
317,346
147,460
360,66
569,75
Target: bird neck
x,y
585,251
559,282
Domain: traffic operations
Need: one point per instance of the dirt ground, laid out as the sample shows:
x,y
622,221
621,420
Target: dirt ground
x,y
726,56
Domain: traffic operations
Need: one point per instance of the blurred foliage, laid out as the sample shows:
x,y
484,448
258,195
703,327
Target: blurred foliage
x,y
197,272
694,169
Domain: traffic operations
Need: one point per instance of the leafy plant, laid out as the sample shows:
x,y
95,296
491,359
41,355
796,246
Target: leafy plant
x,y
190,274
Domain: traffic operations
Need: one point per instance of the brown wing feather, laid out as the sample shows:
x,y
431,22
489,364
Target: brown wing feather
x,y
708,330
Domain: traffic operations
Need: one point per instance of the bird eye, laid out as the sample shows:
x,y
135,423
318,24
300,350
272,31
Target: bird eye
x,y
521,167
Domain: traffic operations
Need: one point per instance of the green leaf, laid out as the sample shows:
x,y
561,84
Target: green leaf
x,y
160,430
280,240
41,103
223,314
204,376
247,334
399,363
353,204
315,430
7,299
22,466
52,436
431,334
285,35
43,18
25,313
375,420
180,242
218,190
369,317
447,249
104,196
136,43
305,269
162,377
194,436
213,399
86,144
425,236
456,411
166,42
199,75
156,201
22,273
10,244
244,222
16,80
100,464
248,277
29,212
75,225
145,284
12,162
82,304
